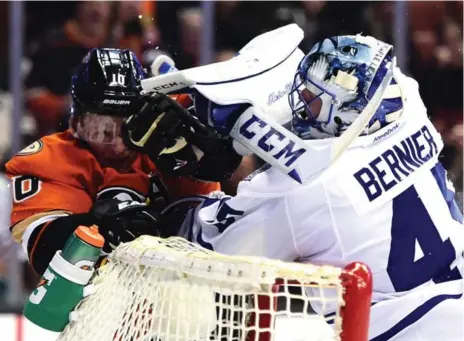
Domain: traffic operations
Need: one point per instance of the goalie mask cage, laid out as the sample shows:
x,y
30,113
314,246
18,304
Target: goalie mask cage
x,y
155,289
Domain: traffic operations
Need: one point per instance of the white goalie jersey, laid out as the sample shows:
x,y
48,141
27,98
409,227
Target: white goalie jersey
x,y
386,202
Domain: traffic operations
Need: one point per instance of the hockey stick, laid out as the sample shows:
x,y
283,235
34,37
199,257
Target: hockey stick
x,y
167,83
260,48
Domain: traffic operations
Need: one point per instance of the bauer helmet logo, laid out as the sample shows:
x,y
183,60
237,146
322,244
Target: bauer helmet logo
x,y
116,101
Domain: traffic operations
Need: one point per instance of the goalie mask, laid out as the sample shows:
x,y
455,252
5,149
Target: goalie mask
x,y
334,83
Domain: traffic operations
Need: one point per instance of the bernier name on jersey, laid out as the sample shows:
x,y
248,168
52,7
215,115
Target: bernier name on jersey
x,y
396,163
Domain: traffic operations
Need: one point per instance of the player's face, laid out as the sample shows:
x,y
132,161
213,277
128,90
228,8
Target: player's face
x,y
313,103
100,129
103,134
305,103
305,98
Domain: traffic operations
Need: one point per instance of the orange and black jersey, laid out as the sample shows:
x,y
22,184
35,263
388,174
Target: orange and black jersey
x,y
57,176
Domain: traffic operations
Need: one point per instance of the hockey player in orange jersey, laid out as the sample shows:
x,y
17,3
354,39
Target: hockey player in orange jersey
x,y
86,175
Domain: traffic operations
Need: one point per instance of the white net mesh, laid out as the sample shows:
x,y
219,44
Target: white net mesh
x,y
156,289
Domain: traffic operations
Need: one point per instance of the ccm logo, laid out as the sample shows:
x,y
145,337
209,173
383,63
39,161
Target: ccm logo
x,y
116,101
169,86
281,147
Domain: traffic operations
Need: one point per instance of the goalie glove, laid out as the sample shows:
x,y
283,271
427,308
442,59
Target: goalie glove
x,y
178,143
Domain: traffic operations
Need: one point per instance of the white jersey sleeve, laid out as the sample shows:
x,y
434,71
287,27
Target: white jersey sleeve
x,y
271,216
244,225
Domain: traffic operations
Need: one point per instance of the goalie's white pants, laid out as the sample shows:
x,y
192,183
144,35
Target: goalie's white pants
x,y
434,313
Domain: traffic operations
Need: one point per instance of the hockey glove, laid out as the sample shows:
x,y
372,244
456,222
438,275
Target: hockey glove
x,y
118,221
178,143
123,221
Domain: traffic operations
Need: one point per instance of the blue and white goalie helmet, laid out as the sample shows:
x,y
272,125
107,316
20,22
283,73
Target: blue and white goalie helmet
x,y
334,83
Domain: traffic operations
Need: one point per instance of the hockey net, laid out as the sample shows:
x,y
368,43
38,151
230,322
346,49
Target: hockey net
x,y
155,289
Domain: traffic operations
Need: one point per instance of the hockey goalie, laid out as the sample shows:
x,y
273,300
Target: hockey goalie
x,y
386,201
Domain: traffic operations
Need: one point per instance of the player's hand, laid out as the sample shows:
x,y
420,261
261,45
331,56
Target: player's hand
x,y
178,143
124,221
154,126
162,127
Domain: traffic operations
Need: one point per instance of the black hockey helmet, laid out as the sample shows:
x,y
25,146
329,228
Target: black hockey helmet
x,y
106,82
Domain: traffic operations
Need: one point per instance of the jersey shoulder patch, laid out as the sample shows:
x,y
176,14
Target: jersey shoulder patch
x,y
33,148
57,158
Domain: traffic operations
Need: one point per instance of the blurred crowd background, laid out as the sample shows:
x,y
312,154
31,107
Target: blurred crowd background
x,y
57,35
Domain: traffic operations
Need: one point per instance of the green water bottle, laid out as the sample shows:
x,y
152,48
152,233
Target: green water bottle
x,y
61,287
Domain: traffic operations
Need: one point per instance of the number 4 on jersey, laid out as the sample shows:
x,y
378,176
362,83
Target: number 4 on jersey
x,y
408,267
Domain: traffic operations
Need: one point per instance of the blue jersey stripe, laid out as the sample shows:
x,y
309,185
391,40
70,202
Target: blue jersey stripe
x,y
415,316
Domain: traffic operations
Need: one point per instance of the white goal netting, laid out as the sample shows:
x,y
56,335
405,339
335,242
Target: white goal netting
x,y
157,289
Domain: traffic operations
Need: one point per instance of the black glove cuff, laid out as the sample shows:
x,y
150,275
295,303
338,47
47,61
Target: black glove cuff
x,y
50,237
219,166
